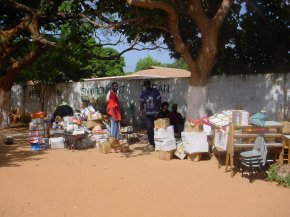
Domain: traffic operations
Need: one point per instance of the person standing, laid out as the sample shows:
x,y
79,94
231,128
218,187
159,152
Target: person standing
x,y
113,108
150,99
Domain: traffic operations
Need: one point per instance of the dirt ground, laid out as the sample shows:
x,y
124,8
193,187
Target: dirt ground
x,y
85,183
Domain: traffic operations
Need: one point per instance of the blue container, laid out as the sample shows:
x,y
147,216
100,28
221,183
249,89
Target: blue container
x,y
35,146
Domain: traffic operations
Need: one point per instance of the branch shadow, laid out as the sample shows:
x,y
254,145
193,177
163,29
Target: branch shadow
x,y
13,155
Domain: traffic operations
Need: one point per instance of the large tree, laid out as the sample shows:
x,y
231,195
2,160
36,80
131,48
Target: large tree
x,y
217,37
205,33
184,24
28,28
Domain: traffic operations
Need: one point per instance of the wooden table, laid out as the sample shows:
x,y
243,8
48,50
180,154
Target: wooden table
x,y
249,138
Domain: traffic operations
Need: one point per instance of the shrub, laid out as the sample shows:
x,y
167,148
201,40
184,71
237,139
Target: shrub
x,y
280,174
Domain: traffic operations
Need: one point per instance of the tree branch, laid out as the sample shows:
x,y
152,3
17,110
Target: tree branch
x,y
6,81
10,33
172,22
20,7
222,12
198,16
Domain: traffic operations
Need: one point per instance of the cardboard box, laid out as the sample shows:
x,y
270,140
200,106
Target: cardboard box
x,y
166,155
194,157
94,116
162,133
286,127
90,124
104,147
161,123
195,128
167,144
194,142
240,117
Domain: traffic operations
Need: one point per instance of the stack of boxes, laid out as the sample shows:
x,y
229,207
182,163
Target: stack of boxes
x,y
100,137
38,137
164,139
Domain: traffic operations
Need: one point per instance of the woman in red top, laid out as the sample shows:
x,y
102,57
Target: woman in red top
x,y
114,110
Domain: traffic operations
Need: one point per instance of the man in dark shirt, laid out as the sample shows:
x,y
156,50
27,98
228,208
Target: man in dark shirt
x,y
150,99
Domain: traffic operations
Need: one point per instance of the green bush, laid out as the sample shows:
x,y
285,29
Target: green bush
x,y
280,174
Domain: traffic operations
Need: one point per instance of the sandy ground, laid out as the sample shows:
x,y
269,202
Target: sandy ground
x,y
85,183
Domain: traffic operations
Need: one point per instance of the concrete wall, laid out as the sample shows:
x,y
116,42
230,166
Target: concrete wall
x,y
251,92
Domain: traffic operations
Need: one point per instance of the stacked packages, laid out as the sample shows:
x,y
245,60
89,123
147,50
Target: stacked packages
x,y
164,139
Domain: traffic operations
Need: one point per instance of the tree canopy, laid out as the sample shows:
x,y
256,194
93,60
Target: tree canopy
x,y
80,61
212,37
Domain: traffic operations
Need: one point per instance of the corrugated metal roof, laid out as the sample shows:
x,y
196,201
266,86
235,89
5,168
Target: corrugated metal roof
x,y
152,72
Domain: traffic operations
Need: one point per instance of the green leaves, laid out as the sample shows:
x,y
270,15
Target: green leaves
x,y
73,61
146,63
66,6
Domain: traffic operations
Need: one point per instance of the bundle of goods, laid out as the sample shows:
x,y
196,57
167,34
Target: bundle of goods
x,y
56,129
127,129
90,114
221,119
180,151
224,118
99,135
164,139
38,136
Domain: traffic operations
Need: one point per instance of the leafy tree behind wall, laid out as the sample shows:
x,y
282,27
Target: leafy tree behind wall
x,y
146,62
178,63
71,62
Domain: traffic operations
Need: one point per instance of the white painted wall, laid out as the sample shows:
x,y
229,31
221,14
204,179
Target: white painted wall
x,y
251,92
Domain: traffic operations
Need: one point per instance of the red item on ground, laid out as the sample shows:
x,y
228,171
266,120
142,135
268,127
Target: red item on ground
x,y
37,115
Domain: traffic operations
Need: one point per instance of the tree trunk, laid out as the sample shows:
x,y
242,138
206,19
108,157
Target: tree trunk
x,y
5,108
196,100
